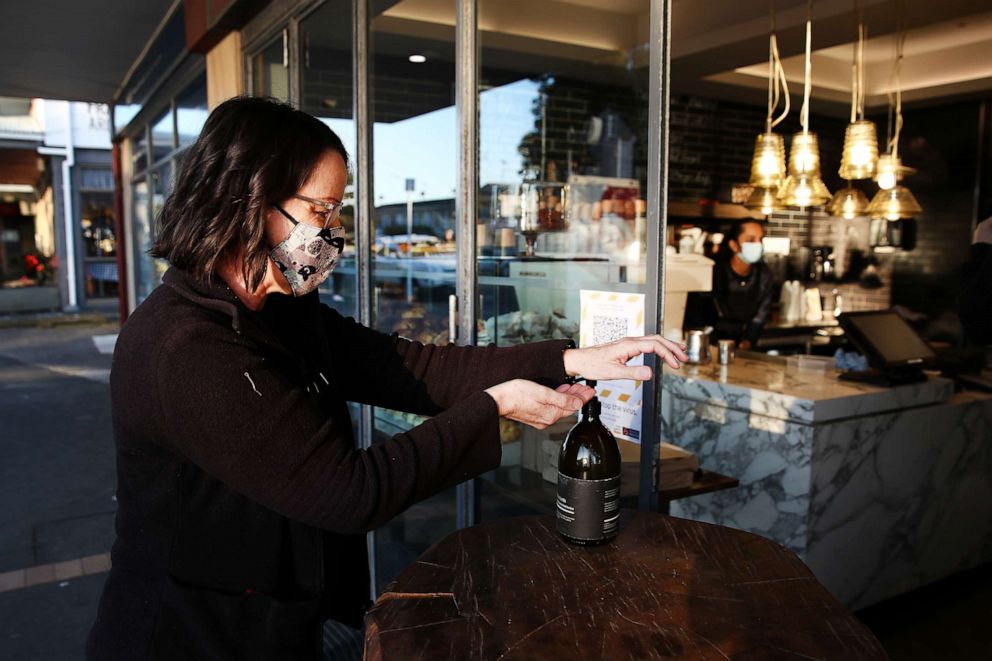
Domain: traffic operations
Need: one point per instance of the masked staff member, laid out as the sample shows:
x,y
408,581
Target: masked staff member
x,y
242,498
743,288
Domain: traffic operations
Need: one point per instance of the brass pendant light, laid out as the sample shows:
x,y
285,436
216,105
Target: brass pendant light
x,y
894,202
860,153
890,171
848,203
764,200
768,162
860,156
804,187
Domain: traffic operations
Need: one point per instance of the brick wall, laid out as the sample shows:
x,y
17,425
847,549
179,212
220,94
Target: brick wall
x,y
816,228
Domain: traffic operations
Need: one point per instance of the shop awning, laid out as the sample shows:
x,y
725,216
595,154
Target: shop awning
x,y
67,49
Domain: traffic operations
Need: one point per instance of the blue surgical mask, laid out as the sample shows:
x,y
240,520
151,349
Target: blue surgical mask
x,y
751,252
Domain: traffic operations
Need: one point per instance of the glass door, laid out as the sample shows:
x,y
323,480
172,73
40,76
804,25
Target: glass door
x,y
326,92
563,141
414,259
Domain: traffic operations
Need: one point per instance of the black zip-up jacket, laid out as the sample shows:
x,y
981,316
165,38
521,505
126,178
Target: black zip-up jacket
x,y
241,496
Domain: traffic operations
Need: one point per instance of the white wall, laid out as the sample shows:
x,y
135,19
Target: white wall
x,y
90,123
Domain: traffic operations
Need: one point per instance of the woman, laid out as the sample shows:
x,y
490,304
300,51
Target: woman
x,y
242,499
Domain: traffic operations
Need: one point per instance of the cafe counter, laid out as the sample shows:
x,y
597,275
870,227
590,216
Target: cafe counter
x,y
878,489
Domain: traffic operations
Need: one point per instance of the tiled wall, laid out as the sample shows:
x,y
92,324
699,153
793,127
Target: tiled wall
x,y
821,229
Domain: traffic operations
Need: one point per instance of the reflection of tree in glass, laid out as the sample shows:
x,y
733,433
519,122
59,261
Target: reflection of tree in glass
x,y
585,128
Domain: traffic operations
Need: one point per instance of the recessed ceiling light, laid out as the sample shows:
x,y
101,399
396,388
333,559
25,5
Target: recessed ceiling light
x,y
417,59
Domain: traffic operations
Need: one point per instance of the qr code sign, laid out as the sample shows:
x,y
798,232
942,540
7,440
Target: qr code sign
x,y
608,329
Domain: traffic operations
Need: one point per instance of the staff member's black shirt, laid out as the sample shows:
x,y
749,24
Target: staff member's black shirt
x,y
738,307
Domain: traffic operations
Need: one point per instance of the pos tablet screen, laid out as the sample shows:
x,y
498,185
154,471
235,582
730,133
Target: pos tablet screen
x,y
885,338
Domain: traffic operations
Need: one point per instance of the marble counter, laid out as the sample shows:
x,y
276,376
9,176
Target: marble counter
x,y
878,490
767,388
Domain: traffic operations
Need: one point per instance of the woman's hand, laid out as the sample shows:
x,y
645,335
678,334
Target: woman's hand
x,y
604,362
537,406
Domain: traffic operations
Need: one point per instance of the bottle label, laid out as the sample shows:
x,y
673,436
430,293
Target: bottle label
x,y
588,510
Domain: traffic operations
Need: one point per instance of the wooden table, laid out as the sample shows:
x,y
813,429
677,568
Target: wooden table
x,y
666,587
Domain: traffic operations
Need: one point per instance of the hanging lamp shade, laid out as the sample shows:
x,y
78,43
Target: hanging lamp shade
x,y
768,162
860,154
804,157
895,203
803,191
764,200
848,203
890,171
804,187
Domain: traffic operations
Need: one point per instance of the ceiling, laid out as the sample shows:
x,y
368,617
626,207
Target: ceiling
x,y
720,47
946,54
84,50
70,49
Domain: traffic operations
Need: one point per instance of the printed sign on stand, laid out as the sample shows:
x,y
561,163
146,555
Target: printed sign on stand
x,y
605,317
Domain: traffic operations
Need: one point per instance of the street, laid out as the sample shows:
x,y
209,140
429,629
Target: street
x,y
57,486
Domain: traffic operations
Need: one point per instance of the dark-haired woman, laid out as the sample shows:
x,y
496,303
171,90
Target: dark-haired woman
x,y
242,499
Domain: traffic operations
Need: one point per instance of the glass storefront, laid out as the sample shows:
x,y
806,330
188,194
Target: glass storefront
x,y
562,186
560,200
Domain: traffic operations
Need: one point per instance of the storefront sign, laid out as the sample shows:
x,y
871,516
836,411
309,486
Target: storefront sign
x,y
605,317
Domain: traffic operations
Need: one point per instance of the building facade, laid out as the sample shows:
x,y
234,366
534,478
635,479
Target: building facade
x,y
57,222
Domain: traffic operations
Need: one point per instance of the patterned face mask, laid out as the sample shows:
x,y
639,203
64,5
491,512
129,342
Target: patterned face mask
x,y
308,255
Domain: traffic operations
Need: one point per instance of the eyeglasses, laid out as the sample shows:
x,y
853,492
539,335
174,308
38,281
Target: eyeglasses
x,y
331,210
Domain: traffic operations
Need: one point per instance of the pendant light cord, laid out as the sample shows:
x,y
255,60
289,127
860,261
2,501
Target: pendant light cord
x,y
858,68
854,76
778,84
862,83
896,79
807,83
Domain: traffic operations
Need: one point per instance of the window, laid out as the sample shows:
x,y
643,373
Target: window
x,y
163,138
192,111
271,71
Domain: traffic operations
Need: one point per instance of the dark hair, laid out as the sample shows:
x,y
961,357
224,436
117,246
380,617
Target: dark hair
x,y
735,231
252,152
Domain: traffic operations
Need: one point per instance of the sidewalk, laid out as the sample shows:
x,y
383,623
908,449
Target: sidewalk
x,y
57,482
52,319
